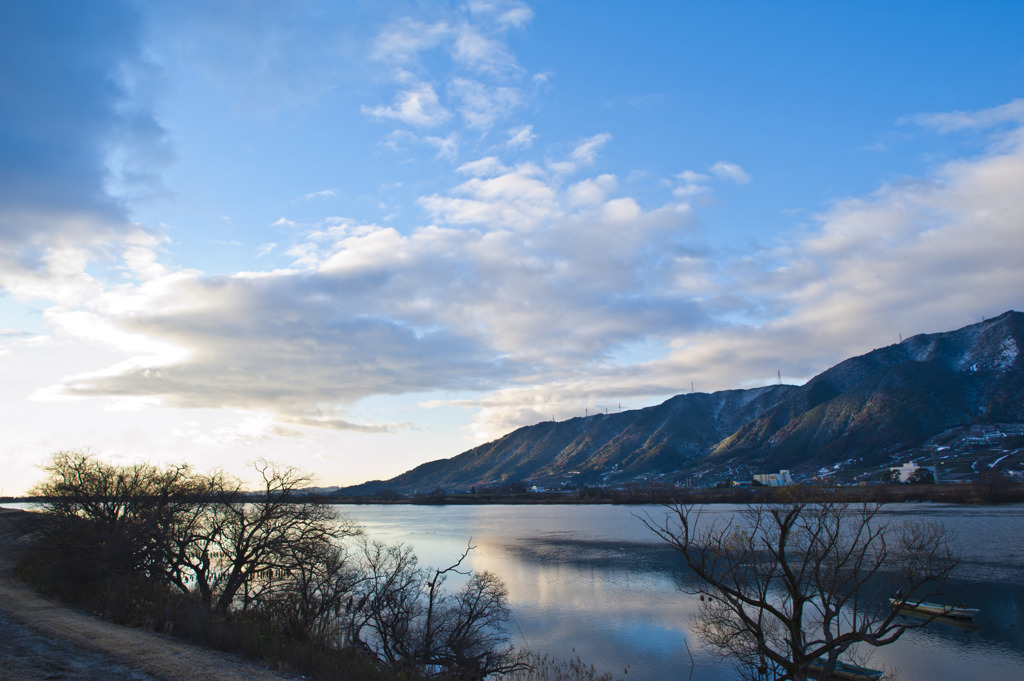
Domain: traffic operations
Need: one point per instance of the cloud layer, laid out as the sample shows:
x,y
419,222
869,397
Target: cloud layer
x,y
76,126
536,290
536,283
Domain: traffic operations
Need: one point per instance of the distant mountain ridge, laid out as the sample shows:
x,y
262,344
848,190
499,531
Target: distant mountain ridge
x,y
865,407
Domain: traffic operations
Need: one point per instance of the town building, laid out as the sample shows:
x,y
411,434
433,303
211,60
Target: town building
x,y
780,479
909,469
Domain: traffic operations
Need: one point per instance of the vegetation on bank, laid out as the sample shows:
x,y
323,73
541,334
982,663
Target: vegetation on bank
x,y
271,575
986,490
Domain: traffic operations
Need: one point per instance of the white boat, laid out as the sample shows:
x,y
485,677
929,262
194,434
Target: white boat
x,y
937,609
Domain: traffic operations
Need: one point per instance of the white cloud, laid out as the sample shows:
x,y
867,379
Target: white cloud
x,y
406,38
484,167
398,140
480,52
520,137
482,105
366,310
1011,112
583,154
517,199
592,191
695,183
517,16
482,84
418,106
586,151
730,171
141,261
447,147
692,177
323,194
621,210
512,14
58,276
686,191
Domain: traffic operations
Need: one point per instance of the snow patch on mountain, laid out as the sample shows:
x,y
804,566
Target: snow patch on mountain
x,y
1001,360
1009,353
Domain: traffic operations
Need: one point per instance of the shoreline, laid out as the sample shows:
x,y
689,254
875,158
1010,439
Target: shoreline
x,y
952,493
955,493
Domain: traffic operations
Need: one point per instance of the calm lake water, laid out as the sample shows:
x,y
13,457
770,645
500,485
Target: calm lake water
x,y
593,581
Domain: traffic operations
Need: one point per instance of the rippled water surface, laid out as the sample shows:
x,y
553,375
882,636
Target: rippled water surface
x,y
593,581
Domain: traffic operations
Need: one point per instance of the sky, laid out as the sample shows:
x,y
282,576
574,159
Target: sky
x,y
353,237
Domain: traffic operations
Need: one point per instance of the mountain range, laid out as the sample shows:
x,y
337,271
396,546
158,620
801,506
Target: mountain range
x,y
868,408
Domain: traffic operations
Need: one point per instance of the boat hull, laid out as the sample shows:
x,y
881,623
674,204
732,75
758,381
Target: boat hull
x,y
848,672
936,609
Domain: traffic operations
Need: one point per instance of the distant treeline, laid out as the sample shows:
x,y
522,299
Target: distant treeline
x,y
955,493
999,491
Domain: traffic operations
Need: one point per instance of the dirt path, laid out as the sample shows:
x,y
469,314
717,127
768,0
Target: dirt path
x,y
41,639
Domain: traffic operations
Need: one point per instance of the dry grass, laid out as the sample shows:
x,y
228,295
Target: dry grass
x,y
547,668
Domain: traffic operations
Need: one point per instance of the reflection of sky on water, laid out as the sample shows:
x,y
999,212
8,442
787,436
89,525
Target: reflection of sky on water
x,y
584,600
991,537
609,614
593,581
922,655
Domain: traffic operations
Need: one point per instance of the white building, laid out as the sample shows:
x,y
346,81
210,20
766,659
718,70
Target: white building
x,y
780,479
907,470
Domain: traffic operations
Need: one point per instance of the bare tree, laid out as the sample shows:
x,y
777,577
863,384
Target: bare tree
x,y
111,519
791,586
201,534
264,535
475,644
380,616
191,556
309,601
407,619
277,552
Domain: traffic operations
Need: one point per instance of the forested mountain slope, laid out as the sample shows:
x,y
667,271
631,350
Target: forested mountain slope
x,y
865,407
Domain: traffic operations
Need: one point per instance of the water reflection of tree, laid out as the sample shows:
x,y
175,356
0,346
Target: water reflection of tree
x,y
784,585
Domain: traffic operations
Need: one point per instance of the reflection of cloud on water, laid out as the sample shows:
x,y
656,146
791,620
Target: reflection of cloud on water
x,y
612,603
989,536
655,561
941,652
594,582
617,602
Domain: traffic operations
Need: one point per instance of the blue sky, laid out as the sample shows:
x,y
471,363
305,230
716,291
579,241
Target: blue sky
x,y
359,236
